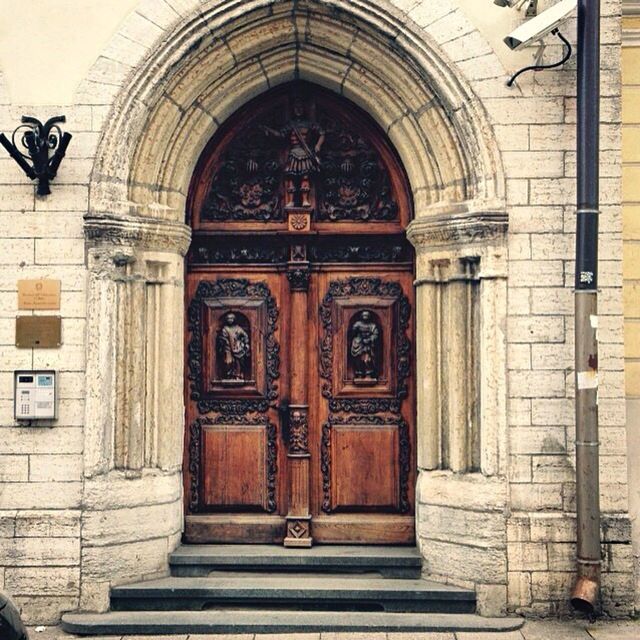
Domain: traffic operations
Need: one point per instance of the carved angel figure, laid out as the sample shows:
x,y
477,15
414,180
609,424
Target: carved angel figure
x,y
234,349
305,140
364,346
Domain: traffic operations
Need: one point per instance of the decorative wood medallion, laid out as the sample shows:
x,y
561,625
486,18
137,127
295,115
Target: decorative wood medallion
x,y
299,334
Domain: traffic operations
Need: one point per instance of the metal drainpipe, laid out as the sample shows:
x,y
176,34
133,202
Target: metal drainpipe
x,y
586,591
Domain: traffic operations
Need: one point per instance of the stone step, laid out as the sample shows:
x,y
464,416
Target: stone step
x,y
304,592
239,621
201,560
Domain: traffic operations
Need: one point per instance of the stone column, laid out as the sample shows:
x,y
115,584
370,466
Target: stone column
x,y
461,380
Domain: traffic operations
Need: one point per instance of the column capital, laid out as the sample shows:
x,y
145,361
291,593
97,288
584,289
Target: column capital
x,y
458,230
151,234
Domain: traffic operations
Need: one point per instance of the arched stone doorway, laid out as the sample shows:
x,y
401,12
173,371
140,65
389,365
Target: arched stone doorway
x,y
210,63
300,313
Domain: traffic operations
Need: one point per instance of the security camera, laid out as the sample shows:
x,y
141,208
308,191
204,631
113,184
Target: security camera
x,y
537,28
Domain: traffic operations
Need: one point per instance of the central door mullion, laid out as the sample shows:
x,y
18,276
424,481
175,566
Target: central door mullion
x,y
299,515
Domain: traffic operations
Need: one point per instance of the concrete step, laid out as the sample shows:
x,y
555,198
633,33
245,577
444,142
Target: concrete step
x,y
238,621
303,592
201,560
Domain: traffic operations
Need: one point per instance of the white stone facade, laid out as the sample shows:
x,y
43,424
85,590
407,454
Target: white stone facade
x,y
96,499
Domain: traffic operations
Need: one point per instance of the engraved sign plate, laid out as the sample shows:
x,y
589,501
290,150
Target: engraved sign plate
x,y
39,294
38,332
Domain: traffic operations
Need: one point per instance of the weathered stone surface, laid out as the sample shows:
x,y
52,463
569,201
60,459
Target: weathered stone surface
x,y
124,561
40,552
44,581
47,524
116,490
101,528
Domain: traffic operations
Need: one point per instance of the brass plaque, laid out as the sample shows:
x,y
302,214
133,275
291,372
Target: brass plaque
x,y
38,332
39,294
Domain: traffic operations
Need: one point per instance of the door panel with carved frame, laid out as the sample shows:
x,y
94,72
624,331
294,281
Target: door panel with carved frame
x,y
299,341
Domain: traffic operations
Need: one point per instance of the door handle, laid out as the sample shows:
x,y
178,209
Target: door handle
x,y
283,411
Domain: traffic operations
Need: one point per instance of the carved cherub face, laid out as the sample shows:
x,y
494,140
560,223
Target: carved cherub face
x,y
230,319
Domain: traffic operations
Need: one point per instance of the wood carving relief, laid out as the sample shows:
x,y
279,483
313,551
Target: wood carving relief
x,y
298,430
338,249
300,153
233,346
367,355
236,372
299,207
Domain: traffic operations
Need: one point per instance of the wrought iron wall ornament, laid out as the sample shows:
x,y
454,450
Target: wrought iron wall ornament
x,y
38,140
354,287
223,288
404,454
195,453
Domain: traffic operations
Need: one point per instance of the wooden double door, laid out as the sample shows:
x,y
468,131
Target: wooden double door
x,y
300,418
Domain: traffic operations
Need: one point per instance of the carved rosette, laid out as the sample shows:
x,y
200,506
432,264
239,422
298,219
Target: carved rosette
x,y
221,289
298,430
404,454
365,287
195,453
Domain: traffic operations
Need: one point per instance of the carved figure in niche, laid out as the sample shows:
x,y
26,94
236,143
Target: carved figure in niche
x,y
305,140
364,348
233,347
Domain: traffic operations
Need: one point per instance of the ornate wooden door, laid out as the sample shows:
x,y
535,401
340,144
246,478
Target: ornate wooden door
x,y
300,419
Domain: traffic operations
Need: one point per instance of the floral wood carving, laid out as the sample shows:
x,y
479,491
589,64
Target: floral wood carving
x,y
353,182
301,151
221,289
195,453
404,454
354,287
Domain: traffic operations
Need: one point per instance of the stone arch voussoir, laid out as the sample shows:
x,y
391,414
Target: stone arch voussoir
x,y
215,57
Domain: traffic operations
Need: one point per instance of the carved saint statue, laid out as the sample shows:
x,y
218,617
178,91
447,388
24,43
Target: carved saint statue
x,y
233,348
365,336
305,140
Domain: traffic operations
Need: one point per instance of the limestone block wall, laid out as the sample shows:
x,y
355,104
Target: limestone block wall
x,y
96,499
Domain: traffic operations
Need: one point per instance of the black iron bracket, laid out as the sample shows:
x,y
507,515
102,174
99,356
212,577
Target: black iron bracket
x,y
38,140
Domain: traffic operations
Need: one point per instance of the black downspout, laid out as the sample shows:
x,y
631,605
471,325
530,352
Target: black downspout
x,y
586,592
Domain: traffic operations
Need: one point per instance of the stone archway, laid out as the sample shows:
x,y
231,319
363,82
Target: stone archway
x,y
211,62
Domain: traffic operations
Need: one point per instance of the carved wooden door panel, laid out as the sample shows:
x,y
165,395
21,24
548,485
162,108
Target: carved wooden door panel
x,y
363,407
234,337
300,422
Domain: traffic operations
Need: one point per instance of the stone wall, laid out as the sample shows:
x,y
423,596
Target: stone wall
x,y
96,499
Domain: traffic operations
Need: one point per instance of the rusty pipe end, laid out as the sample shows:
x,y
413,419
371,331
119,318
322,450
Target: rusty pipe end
x,y
586,594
